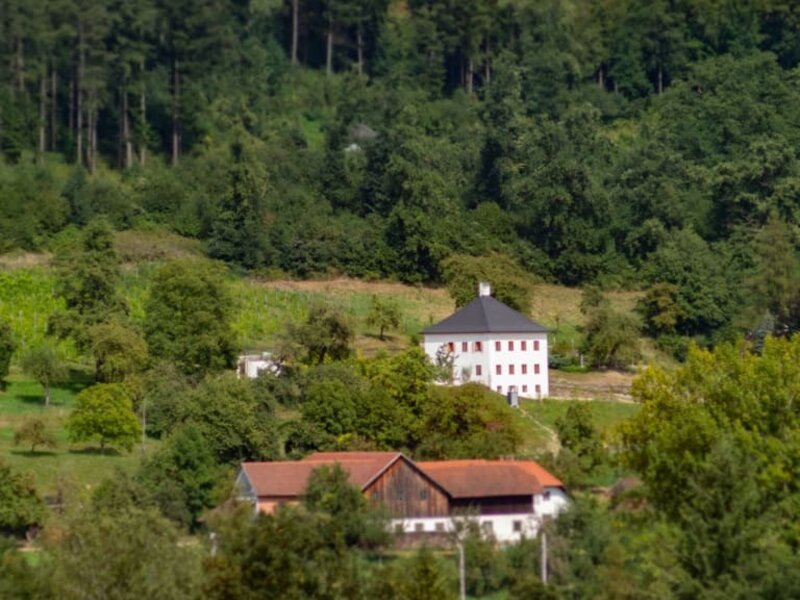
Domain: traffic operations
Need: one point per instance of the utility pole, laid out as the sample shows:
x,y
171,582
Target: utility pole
x,y
462,582
544,558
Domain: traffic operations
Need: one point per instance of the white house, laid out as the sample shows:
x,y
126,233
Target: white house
x,y
493,344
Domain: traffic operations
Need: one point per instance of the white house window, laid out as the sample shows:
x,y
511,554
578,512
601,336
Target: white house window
x,y
499,389
510,369
535,345
478,370
487,526
523,345
477,347
439,526
546,495
524,389
419,527
451,347
510,345
498,369
497,346
516,526
524,369
465,346
538,389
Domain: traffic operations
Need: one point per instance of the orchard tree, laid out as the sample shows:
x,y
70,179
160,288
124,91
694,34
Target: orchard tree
x,y
104,413
118,351
325,334
46,367
33,432
383,314
188,317
20,506
7,349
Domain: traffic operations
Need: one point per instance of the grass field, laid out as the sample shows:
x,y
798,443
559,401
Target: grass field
x,y
606,414
66,464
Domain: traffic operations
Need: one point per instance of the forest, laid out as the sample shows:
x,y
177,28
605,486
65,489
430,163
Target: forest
x,y
161,161
620,143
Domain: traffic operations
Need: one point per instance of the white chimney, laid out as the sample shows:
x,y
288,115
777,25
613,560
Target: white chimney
x,y
484,288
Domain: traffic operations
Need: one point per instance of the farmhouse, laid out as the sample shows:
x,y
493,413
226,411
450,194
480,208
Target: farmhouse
x,y
489,342
507,498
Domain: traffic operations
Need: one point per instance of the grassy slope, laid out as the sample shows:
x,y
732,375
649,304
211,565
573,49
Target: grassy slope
x,y
262,309
66,464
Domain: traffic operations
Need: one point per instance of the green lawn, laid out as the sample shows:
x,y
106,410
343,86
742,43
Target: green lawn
x,y
66,464
606,414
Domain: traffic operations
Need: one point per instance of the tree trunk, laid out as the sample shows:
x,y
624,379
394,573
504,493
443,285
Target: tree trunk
x,y
470,75
329,49
79,98
71,105
487,66
295,29
143,121
53,108
176,99
360,50
47,394
127,145
601,82
90,139
20,65
43,114
93,166
660,80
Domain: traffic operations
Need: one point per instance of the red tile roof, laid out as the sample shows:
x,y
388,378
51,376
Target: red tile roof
x,y
459,478
288,479
489,478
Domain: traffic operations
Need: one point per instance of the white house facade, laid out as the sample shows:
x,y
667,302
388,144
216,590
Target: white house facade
x,y
490,343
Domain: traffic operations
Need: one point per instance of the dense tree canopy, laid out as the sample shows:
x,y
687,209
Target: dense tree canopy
x,y
608,143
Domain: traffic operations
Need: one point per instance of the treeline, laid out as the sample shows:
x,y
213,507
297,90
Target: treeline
x,y
623,143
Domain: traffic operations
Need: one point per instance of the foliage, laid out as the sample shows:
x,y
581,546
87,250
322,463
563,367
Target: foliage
x,y
104,412
130,553
21,507
284,554
188,317
468,421
612,336
34,432
236,426
383,314
325,334
352,520
118,351
7,349
88,277
46,367
510,283
181,477
579,439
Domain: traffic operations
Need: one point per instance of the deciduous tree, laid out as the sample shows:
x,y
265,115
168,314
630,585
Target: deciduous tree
x,y
104,413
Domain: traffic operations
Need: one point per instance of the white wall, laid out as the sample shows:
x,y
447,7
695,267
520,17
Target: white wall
x,y
501,527
551,502
489,358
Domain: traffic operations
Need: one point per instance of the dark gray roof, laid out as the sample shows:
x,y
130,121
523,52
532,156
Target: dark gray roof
x,y
486,315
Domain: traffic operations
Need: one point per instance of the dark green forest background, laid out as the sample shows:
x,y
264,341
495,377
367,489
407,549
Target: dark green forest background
x,y
622,143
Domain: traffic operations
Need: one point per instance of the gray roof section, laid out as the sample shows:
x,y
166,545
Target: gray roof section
x,y
486,315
